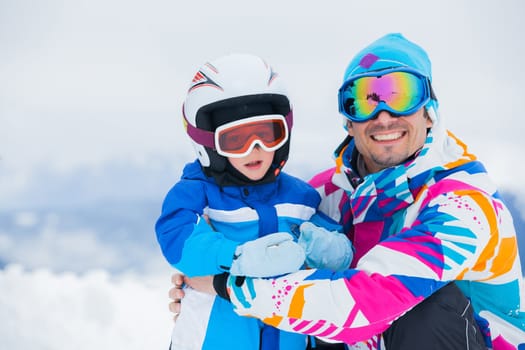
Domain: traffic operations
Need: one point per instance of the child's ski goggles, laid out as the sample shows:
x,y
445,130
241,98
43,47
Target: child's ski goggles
x,y
238,138
400,92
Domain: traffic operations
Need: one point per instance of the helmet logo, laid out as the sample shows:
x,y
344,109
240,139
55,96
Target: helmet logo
x,y
273,75
201,79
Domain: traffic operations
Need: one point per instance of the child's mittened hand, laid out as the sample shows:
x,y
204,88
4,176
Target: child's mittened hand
x,y
270,255
325,249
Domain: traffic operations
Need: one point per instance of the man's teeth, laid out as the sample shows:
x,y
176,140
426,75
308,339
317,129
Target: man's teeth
x,y
388,137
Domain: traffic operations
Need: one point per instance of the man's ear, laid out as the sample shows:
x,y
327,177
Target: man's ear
x,y
430,123
350,128
426,114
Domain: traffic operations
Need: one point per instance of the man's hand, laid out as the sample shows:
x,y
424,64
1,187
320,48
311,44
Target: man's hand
x,y
202,284
176,294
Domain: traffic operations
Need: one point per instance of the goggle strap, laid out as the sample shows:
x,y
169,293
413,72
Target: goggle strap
x,y
432,93
289,121
200,136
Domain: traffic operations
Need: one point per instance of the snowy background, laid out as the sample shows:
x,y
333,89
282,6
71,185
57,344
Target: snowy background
x,y
91,135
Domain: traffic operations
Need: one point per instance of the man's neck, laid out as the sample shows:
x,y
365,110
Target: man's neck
x,y
362,171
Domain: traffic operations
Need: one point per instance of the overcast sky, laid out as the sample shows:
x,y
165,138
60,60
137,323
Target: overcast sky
x,y
84,83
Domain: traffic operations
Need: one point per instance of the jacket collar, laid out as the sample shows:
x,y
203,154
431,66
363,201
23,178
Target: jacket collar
x,y
395,187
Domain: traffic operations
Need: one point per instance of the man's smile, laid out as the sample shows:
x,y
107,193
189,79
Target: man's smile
x,y
392,136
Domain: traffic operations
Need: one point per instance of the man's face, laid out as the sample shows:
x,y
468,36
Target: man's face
x,y
386,141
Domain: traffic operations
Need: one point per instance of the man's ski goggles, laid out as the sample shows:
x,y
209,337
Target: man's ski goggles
x,y
238,138
398,92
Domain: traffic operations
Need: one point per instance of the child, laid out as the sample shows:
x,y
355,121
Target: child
x,y
233,209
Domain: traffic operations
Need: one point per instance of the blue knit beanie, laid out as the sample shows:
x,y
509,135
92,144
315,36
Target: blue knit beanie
x,y
391,51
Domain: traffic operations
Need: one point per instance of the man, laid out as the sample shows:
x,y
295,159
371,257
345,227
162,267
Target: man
x,y
425,220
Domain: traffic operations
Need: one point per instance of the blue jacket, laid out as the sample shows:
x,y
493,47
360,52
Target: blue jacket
x,y
236,214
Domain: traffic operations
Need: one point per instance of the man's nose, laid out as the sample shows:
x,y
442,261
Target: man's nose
x,y
383,116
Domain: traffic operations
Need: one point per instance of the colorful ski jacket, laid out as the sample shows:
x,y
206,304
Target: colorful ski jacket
x,y
236,214
415,227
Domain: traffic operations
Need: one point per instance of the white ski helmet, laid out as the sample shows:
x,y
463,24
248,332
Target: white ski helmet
x,y
230,88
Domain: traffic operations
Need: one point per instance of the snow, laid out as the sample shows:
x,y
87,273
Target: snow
x,y
43,310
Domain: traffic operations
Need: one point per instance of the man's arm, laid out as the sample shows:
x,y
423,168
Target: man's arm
x,y
392,278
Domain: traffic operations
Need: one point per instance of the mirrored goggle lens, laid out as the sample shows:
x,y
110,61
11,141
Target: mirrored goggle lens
x,y
236,139
399,92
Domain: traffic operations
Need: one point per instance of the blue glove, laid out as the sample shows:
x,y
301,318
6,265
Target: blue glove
x,y
271,255
325,249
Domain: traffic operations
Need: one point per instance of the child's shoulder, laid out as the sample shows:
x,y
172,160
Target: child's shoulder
x,y
291,179
293,185
193,171
192,178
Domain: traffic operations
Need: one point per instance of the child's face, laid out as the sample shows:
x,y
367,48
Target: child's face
x,y
255,165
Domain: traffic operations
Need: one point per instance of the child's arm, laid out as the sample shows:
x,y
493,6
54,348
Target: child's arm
x,y
192,245
187,241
